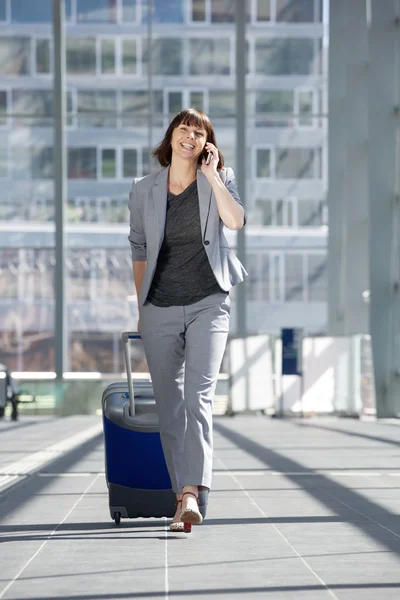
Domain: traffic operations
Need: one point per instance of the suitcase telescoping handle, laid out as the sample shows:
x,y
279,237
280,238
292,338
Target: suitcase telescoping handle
x,y
125,337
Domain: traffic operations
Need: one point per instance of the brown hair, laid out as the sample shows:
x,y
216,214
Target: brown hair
x,y
194,118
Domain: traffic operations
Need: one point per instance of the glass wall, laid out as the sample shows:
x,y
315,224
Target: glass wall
x,y
113,122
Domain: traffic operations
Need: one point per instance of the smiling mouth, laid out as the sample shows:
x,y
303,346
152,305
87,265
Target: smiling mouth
x,y
187,146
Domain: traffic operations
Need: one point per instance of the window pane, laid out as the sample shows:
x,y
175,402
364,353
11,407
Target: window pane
x,y
296,163
95,11
263,10
263,162
43,56
306,108
81,56
129,57
108,163
222,104
42,163
197,100
209,57
14,56
252,281
294,278
135,108
317,278
198,10
130,162
175,103
108,57
32,108
26,11
82,163
222,11
166,56
164,11
97,109
272,106
3,107
265,278
3,163
129,12
310,213
300,11
264,208
3,14
284,56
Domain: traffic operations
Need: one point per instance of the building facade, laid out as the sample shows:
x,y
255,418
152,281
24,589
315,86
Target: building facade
x,y
131,65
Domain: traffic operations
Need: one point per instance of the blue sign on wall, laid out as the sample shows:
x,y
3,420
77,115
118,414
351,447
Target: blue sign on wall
x,y
292,355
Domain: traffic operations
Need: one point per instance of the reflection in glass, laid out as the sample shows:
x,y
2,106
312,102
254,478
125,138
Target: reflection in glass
x,y
311,213
96,11
300,11
306,108
43,56
297,163
222,11
108,64
129,11
221,104
263,11
163,11
272,106
81,56
3,163
32,107
284,56
130,160
197,100
167,56
82,163
198,10
175,103
15,55
135,108
3,14
3,107
26,11
265,277
209,56
264,162
108,163
42,163
129,57
97,109
317,278
294,286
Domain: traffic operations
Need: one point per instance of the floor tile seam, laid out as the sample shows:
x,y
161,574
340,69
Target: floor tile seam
x,y
265,516
370,519
32,558
17,472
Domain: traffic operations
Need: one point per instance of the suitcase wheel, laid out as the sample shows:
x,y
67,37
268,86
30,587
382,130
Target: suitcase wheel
x,y
117,518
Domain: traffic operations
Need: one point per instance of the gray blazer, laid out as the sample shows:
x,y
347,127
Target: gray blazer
x,y
148,207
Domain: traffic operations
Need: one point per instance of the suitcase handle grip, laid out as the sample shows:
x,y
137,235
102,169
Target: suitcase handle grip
x,y
125,337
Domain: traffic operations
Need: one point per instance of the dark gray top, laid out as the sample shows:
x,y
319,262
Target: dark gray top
x,y
183,275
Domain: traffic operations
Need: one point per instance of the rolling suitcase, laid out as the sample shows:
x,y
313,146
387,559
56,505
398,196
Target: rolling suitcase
x,y
137,477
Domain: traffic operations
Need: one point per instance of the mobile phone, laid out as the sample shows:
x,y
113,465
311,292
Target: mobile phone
x,y
209,157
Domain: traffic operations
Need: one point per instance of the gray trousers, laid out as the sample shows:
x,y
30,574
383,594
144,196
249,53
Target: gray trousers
x,y
184,348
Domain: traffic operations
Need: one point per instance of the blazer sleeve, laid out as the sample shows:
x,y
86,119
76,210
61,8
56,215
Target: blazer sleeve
x,y
230,183
137,238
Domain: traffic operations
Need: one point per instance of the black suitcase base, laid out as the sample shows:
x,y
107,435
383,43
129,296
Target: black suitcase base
x,y
130,503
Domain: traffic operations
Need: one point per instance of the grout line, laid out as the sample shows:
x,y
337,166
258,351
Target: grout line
x,y
322,582
5,590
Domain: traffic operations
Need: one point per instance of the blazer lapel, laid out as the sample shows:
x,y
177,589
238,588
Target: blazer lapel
x,y
204,190
159,193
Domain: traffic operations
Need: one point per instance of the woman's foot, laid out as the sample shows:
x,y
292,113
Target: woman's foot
x,y
177,523
190,506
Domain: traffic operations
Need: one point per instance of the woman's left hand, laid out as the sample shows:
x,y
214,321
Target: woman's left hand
x,y
211,169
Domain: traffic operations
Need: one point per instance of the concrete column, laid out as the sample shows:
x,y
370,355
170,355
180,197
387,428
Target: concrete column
x,y
384,202
347,168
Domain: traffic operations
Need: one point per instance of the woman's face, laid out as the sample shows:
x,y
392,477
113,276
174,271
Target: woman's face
x,y
188,142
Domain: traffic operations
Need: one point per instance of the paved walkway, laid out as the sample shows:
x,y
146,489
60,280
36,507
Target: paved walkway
x,y
301,509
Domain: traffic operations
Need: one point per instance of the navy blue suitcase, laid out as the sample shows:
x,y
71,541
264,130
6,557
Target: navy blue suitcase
x,y
137,477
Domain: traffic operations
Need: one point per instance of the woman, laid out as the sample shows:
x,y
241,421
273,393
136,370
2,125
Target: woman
x,y
183,269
